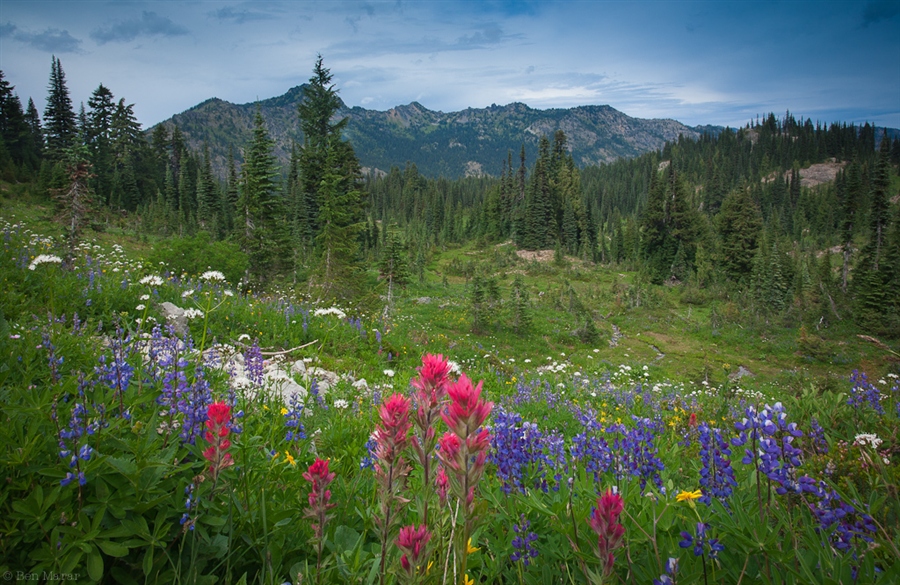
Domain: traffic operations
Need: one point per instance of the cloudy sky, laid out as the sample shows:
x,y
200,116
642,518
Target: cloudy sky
x,y
713,62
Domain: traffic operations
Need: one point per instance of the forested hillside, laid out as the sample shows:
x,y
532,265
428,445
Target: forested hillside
x,y
723,214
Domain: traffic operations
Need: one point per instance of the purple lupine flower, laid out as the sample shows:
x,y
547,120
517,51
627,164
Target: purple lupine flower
x,y
253,362
53,360
638,451
846,527
368,462
817,434
589,447
74,447
670,575
193,405
864,392
522,542
716,475
117,374
523,454
190,504
702,545
292,419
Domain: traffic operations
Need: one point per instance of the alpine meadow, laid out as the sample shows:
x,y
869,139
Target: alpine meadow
x,y
296,342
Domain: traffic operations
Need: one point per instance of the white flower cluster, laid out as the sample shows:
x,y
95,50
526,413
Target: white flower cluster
x,y
212,276
44,259
867,439
389,373
330,311
341,404
192,313
152,280
187,293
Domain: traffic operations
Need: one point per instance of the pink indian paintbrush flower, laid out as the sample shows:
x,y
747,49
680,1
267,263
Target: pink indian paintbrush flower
x,y
412,541
319,495
218,416
604,520
467,411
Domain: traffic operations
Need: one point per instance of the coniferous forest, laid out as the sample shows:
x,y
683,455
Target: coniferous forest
x,y
194,354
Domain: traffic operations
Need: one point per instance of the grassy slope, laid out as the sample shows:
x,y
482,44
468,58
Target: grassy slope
x,y
681,341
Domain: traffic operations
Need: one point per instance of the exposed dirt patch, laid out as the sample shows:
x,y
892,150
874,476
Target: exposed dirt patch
x,y
537,255
814,175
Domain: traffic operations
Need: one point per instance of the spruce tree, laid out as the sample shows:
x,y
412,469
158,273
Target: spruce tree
x,y
60,123
739,223
259,221
520,309
330,181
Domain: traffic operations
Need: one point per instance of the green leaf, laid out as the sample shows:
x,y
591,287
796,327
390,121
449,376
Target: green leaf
x,y
113,549
95,564
148,562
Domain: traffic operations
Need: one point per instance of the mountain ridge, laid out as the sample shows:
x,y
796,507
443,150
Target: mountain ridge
x,y
449,144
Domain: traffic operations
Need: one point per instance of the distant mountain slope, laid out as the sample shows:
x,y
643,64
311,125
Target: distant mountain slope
x,y
453,144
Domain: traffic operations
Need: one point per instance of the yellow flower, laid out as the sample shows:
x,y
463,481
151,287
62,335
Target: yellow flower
x,y
688,496
470,549
284,410
468,580
265,407
290,458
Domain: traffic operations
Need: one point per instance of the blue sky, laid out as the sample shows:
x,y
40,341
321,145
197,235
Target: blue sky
x,y
715,62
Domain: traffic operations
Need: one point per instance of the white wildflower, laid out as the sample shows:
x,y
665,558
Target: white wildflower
x,y
389,373
212,276
454,367
341,404
140,308
330,311
44,259
867,439
228,293
243,336
192,313
145,297
152,280
187,293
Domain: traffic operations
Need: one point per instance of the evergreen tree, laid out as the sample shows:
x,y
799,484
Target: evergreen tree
x,y
330,177
520,308
394,266
208,198
60,125
98,137
739,223
260,213
74,202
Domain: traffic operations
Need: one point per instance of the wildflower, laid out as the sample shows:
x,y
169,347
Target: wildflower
x,y
192,313
187,293
319,501
412,542
522,542
140,307
145,297
341,404
212,276
389,373
218,417
701,543
152,280
471,549
44,259
671,572
688,496
289,458
604,520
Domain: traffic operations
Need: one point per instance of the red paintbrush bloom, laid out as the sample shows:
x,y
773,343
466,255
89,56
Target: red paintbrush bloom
x,y
604,520
467,411
412,541
319,497
218,416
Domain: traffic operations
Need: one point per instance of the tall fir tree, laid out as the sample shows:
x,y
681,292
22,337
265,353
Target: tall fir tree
x,y
259,221
330,183
60,122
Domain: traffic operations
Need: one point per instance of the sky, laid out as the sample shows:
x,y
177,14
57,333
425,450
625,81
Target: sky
x,y
716,62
